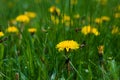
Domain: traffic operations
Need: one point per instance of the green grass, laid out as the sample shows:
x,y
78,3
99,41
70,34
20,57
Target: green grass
x,y
36,57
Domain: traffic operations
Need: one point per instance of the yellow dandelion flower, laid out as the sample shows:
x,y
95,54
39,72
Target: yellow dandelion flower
x,y
1,34
13,22
115,30
32,30
73,2
117,15
102,19
103,2
95,31
105,18
76,16
98,20
68,23
54,10
22,18
30,14
67,45
86,29
12,29
54,19
67,20
101,49
117,8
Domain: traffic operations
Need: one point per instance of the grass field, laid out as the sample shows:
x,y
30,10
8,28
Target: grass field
x,y
59,39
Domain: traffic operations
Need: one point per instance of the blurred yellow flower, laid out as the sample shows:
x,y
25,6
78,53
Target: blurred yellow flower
x,y
76,16
88,29
98,20
100,49
95,31
13,22
117,15
12,29
119,7
102,2
69,23
54,10
67,20
57,1
67,45
32,30
1,34
102,19
22,18
30,14
55,19
105,18
73,2
115,30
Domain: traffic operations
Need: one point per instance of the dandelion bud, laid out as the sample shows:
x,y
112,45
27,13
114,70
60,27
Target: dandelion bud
x,y
101,49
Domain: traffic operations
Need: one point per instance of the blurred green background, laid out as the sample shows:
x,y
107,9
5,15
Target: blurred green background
x,y
35,57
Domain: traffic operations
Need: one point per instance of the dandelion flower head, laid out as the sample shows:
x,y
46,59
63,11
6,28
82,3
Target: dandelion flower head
x,y
67,20
30,14
102,19
54,19
76,16
12,29
105,18
54,10
22,18
1,34
74,2
95,31
88,29
98,20
117,15
115,30
67,45
32,30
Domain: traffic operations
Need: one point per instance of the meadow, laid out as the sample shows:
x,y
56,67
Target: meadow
x,y
59,39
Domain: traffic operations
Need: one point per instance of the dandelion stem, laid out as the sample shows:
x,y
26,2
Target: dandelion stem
x,y
70,63
76,70
68,68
